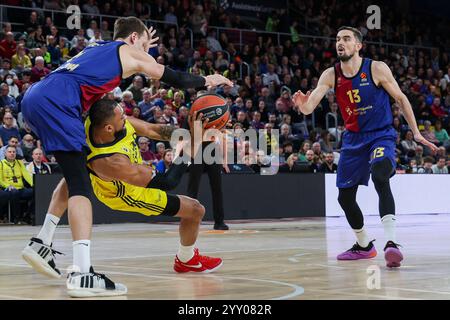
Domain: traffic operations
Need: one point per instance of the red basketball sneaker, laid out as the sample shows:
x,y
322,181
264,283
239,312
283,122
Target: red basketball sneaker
x,y
198,263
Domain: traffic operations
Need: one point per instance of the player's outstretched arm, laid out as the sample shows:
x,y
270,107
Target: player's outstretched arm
x,y
382,75
163,131
119,167
152,130
136,61
306,103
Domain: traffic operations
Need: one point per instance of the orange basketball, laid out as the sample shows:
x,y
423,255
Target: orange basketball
x,y
213,107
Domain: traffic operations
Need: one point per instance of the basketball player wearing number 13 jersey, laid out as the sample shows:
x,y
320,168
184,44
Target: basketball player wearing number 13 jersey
x,y
362,89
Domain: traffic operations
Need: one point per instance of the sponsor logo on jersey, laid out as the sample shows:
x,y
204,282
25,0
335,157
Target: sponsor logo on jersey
x,y
363,110
348,110
364,80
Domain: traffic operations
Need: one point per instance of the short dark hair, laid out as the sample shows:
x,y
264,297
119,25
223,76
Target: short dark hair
x,y
358,35
123,27
428,159
13,137
101,111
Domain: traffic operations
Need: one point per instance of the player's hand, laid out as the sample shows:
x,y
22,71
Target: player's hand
x,y
419,138
197,117
215,80
226,168
153,41
300,99
196,142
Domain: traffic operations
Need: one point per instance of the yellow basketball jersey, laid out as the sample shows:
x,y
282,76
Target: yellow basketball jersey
x,y
124,144
119,195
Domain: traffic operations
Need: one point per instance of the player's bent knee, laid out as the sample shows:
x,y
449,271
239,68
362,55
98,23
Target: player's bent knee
x,y
381,172
190,209
197,210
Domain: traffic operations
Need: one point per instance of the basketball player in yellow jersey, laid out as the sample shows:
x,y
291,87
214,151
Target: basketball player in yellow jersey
x,y
122,182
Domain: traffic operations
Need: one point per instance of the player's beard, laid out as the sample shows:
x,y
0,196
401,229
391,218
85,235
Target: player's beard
x,y
345,57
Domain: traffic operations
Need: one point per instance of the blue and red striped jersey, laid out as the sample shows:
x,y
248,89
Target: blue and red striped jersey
x,y
95,71
364,106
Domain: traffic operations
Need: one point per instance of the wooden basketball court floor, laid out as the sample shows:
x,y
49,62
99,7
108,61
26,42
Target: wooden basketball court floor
x,y
279,259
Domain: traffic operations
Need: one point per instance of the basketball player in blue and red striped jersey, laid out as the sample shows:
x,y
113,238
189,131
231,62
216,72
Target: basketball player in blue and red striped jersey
x,y
362,89
53,108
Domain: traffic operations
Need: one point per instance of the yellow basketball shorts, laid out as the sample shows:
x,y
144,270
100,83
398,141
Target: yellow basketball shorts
x,y
146,201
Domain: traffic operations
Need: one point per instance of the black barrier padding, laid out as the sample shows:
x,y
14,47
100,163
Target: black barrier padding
x,y
245,197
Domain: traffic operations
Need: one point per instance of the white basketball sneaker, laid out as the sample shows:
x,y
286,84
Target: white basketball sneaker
x,y
92,284
41,257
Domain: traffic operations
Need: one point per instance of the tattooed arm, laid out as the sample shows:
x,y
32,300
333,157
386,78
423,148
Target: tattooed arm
x,y
151,130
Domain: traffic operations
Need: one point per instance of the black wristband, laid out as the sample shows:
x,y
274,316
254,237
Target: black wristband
x,y
169,180
182,80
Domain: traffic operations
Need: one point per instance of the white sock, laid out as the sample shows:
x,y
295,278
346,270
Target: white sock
x,y
82,255
388,222
48,228
362,237
185,253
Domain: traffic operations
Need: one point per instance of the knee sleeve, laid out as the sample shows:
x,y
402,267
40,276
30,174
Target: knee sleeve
x,y
169,180
347,197
73,166
381,172
347,200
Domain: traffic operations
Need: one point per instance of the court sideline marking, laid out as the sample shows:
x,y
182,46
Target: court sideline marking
x,y
297,289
